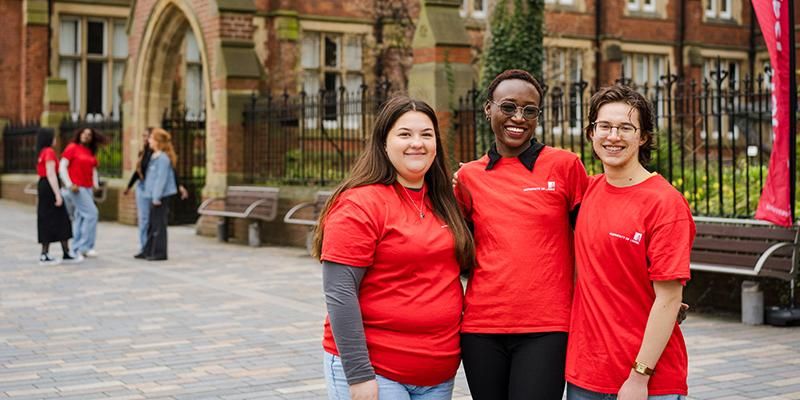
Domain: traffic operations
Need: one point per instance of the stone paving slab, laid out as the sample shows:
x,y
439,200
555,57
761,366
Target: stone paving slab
x,y
230,322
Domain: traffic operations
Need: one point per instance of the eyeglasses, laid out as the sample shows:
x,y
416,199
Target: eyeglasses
x,y
602,129
510,109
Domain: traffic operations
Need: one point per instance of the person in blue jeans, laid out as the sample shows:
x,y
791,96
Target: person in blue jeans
x,y
143,203
78,172
158,186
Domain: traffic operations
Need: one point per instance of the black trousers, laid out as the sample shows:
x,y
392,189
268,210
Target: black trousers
x,y
528,366
156,245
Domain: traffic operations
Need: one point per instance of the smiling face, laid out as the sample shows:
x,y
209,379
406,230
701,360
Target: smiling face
x,y
86,136
512,133
618,153
411,147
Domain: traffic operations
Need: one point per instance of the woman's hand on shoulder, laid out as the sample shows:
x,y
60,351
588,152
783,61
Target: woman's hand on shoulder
x,y
367,390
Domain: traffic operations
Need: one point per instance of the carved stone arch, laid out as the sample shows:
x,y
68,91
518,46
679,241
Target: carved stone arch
x,y
159,52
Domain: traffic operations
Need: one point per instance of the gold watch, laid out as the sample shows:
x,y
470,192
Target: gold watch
x,y
642,368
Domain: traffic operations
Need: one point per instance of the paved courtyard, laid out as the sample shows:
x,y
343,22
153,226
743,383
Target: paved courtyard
x,y
225,321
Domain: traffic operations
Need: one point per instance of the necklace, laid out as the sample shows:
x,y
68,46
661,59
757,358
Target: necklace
x,y
422,203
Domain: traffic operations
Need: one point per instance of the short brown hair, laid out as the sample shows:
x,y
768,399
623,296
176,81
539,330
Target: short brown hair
x,y
629,96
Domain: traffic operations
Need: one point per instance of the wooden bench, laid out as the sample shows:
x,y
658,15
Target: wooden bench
x,y
254,203
746,247
316,206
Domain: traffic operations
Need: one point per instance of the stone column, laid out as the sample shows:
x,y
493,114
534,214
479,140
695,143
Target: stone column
x,y
442,69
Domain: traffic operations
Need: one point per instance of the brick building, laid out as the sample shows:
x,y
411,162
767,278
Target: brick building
x,y
136,60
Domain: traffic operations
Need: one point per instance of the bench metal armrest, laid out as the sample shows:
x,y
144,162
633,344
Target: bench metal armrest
x,y
257,203
31,188
289,217
207,203
765,255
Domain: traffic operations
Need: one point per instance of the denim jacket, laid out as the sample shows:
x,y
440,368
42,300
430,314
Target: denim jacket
x,y
160,180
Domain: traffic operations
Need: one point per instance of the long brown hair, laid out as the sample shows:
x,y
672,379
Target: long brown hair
x,y
373,166
165,144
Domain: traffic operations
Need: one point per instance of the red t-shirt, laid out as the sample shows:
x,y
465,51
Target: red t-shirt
x,y
625,238
45,155
411,296
81,164
523,239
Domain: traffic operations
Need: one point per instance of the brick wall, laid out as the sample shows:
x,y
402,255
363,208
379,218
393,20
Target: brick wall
x,y
34,70
236,26
10,53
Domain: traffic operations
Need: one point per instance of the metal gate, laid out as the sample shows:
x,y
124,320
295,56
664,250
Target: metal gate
x,y
188,132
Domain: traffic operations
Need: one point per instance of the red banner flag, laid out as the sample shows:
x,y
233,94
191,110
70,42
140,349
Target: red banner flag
x,y
775,203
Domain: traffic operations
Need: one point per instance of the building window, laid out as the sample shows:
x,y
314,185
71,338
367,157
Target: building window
x,y
474,8
330,61
643,68
561,2
642,5
194,93
719,9
91,57
562,68
732,67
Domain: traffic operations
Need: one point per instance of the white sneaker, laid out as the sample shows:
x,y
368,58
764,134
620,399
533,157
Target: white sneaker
x,y
90,253
45,259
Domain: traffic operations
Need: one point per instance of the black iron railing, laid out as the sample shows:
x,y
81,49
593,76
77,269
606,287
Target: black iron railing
x,y
713,137
308,139
19,147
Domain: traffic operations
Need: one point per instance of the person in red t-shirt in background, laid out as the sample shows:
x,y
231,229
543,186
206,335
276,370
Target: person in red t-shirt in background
x,y
633,238
392,242
51,215
520,197
78,171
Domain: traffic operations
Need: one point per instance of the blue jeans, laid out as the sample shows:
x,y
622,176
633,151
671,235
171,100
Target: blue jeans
x,y
84,219
579,393
338,389
143,205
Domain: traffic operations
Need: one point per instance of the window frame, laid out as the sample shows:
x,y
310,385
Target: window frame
x,y
642,6
79,101
342,69
713,9
467,9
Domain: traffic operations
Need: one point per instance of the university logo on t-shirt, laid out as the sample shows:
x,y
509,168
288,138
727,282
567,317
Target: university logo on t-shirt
x,y
551,187
636,239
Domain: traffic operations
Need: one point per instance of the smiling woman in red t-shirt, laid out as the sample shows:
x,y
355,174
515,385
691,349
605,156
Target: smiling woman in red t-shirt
x,y
393,242
633,238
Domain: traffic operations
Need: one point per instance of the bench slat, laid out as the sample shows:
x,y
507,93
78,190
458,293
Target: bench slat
x,y
749,232
775,266
756,247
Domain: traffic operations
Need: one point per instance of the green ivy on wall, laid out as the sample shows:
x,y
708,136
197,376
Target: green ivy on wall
x,y
516,39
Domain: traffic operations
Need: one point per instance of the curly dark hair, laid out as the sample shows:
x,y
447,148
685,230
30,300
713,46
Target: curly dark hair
x,y
629,96
513,74
97,138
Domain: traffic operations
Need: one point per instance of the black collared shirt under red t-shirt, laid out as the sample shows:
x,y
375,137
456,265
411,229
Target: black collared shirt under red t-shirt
x,y
520,208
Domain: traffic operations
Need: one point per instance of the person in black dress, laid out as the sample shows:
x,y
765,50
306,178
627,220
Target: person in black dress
x,y
51,215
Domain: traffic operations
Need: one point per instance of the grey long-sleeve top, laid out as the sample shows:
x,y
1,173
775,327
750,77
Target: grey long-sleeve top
x,y
341,286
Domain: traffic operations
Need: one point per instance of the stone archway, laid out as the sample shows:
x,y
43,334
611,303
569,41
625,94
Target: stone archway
x,y
155,73
230,74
